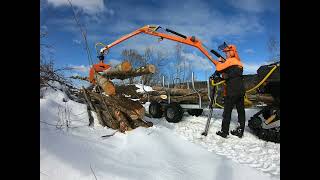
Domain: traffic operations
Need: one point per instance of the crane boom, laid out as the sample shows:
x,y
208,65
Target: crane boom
x,y
152,30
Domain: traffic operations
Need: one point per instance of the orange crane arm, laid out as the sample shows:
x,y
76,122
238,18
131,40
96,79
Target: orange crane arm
x,y
151,30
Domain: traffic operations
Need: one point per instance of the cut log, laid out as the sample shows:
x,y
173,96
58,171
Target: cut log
x,y
148,69
105,84
129,90
265,98
92,107
122,121
118,112
125,66
173,91
158,88
181,86
157,93
132,109
193,99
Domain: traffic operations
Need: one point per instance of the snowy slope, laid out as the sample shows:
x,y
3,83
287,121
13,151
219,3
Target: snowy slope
x,y
251,151
159,152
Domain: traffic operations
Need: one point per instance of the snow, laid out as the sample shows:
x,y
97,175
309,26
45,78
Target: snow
x,y
249,150
165,151
141,87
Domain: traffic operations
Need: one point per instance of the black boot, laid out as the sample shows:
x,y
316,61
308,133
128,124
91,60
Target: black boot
x,y
222,134
237,132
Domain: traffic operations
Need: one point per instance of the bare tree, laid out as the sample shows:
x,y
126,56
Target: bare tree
x,y
188,71
273,46
134,58
47,70
147,59
157,58
178,54
159,62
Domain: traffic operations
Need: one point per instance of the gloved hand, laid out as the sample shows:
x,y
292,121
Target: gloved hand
x,y
216,76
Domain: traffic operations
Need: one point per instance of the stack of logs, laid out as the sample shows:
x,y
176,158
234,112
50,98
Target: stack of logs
x,y
177,94
112,108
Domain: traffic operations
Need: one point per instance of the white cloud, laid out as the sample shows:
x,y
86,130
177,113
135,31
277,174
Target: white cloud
x,y
256,6
204,22
80,68
88,6
110,11
44,27
251,68
113,62
209,25
76,74
249,51
76,41
197,62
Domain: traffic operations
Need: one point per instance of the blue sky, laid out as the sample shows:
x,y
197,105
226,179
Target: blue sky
x,y
246,23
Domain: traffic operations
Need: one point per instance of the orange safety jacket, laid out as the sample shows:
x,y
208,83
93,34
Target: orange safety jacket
x,y
223,66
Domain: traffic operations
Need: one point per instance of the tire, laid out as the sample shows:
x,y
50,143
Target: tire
x,y
173,112
255,123
269,135
155,109
195,112
267,113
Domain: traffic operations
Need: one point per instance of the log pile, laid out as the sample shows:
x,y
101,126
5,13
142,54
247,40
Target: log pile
x,y
112,108
177,94
116,112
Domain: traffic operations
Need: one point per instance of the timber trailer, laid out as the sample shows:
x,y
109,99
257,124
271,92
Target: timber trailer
x,y
174,110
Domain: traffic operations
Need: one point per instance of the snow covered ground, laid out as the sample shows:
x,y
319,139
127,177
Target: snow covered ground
x,y
165,151
143,88
251,151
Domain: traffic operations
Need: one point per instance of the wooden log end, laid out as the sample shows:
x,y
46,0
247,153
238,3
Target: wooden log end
x,y
109,89
141,112
151,68
126,66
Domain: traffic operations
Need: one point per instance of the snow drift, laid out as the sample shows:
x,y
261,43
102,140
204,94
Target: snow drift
x,y
165,151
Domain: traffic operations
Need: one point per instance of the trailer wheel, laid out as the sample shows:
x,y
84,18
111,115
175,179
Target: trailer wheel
x,y
173,112
155,109
195,112
255,123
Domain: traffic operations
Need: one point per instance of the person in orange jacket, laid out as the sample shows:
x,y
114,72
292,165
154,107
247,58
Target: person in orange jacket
x,y
234,91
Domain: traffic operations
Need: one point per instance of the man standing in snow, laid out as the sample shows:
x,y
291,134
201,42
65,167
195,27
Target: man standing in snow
x,y
234,90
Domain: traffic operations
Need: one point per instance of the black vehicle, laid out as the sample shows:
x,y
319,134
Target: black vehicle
x,y
266,123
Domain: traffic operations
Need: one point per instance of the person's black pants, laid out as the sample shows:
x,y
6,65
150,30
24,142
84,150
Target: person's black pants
x,y
229,102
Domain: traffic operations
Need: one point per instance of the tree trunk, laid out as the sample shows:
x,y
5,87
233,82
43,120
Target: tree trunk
x,y
132,109
173,91
105,84
125,66
184,99
157,93
265,98
92,107
130,90
148,69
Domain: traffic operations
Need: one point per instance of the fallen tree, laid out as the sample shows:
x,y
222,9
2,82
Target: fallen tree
x,y
119,73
